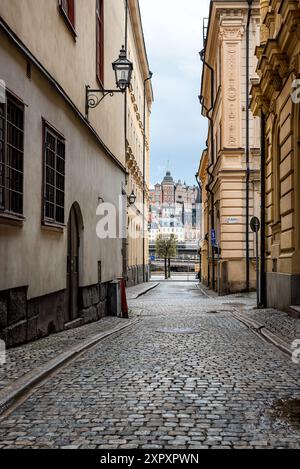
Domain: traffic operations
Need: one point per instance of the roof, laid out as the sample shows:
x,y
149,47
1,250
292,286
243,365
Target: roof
x,y
168,179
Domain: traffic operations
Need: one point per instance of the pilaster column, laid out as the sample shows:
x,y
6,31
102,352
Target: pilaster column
x,y
264,30
230,37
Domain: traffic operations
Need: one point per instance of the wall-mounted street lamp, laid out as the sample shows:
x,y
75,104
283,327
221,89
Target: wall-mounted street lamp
x,y
123,71
132,199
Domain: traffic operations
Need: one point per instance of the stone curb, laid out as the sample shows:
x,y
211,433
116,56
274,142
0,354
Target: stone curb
x,y
11,393
142,293
203,291
264,332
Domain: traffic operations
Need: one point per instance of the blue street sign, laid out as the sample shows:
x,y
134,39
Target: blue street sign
x,y
213,238
152,258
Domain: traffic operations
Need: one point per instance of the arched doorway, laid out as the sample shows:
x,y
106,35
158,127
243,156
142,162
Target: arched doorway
x,y
73,261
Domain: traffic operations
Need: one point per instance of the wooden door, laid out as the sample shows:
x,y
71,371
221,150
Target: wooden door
x,y
72,267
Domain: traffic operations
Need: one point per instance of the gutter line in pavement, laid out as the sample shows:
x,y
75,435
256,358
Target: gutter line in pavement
x,y
15,393
146,291
264,333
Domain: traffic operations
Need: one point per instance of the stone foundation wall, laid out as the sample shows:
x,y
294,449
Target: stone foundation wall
x,y
283,290
135,275
93,302
24,320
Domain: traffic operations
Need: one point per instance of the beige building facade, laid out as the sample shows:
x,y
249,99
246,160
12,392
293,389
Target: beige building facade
x,y
224,167
139,104
276,99
56,165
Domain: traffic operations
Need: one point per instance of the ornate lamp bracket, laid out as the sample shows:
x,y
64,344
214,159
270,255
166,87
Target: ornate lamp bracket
x,y
94,97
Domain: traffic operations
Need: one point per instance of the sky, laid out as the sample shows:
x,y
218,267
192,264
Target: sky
x,y
173,35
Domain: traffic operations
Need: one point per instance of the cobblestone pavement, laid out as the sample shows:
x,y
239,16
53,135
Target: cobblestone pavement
x,y
278,322
21,360
283,325
216,387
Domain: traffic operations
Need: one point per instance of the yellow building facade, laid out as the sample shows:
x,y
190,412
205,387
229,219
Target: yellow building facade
x,y
276,99
139,102
229,167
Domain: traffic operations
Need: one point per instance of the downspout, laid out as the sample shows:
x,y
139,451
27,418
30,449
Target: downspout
x,y
209,191
211,176
199,184
200,258
263,214
250,2
125,241
144,172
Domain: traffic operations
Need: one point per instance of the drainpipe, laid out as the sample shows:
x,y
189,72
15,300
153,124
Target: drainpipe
x,y
263,213
212,144
144,173
199,184
200,260
250,2
125,241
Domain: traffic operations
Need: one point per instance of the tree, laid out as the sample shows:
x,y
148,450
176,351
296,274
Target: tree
x,y
166,249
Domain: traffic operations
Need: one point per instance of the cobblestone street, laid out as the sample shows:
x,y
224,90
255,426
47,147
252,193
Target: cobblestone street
x,y
187,375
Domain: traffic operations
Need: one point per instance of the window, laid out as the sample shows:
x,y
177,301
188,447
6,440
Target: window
x,y
100,41
11,156
54,177
68,10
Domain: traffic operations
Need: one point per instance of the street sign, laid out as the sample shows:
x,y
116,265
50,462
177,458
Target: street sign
x,y
233,221
152,258
255,224
213,238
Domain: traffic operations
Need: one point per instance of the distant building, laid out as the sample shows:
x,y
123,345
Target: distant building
x,y
165,228
174,208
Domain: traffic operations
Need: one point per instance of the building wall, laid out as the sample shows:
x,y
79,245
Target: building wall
x,y
137,249
33,269
71,61
228,169
278,67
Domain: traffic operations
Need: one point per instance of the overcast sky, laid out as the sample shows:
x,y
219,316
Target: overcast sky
x,y
173,34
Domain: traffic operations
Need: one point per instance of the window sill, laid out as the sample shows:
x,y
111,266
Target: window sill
x,y
68,22
48,226
11,219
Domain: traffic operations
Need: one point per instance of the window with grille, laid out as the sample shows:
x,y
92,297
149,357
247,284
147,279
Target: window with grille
x,y
68,8
100,40
54,177
11,156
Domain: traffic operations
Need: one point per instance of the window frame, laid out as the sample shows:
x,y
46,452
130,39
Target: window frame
x,y
69,17
46,220
100,46
7,215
